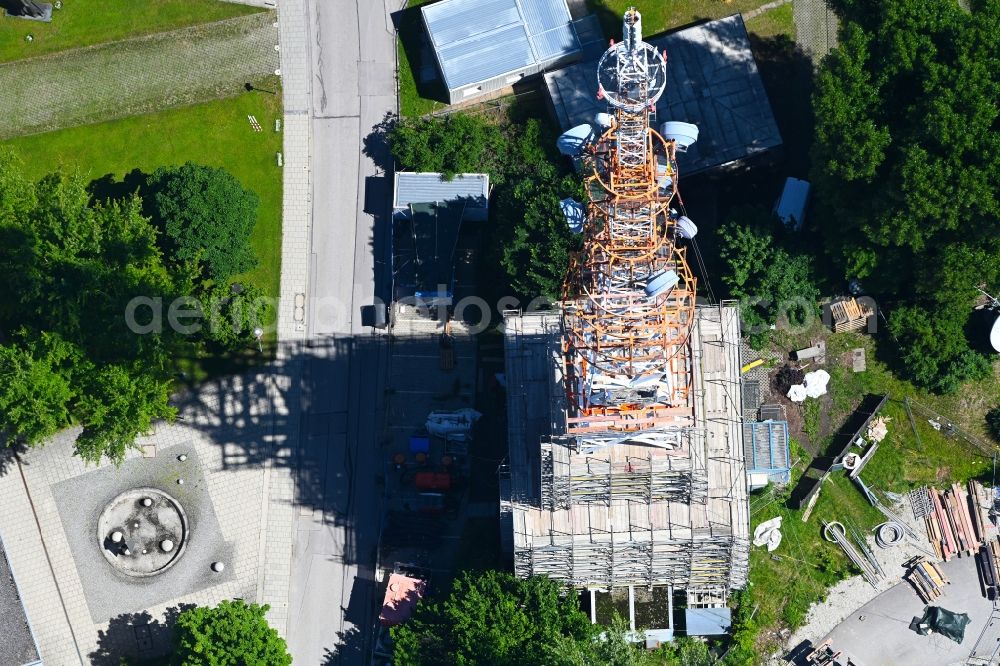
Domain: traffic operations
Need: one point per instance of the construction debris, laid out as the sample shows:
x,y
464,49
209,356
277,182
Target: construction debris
x,y
824,655
850,315
878,428
813,386
988,564
920,502
815,353
864,560
460,421
768,534
889,534
926,578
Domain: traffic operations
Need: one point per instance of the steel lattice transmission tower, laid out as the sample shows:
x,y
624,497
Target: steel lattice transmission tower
x,y
630,295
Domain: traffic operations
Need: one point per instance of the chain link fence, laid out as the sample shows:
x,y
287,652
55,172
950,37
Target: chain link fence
x,y
136,76
815,28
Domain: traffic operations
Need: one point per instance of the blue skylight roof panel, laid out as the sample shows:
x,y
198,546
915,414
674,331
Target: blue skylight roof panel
x,y
556,43
458,20
543,15
492,55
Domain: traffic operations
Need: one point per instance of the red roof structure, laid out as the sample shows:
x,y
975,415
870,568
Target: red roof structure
x,y
401,595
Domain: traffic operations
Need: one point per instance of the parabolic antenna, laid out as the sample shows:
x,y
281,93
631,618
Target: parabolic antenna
x,y
995,334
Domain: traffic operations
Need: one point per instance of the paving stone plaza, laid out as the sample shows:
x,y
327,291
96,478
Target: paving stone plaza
x,y
230,435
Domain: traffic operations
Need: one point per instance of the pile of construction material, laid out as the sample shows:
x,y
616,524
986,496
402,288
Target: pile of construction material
x,y
955,523
926,578
857,552
988,563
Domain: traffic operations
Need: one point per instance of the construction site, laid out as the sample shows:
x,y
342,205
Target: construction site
x,y
626,472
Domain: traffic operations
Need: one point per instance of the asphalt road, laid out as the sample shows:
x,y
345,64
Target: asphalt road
x,y
338,507
883,637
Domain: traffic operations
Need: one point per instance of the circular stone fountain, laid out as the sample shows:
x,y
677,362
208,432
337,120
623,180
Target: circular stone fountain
x,y
153,529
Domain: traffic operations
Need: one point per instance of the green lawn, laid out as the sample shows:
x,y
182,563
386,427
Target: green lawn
x,y
214,133
773,22
807,565
87,22
415,99
660,15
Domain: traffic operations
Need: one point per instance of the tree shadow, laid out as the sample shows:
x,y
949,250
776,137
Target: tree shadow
x,y
788,76
136,636
9,455
107,187
376,143
350,649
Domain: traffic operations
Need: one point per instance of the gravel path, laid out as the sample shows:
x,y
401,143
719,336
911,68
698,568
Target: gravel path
x,y
136,76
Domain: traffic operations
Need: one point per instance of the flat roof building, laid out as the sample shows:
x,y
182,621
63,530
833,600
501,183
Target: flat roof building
x,y
712,82
473,189
428,212
483,46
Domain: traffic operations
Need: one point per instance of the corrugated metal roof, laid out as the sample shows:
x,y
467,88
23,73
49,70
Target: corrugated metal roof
x,y
477,40
707,621
413,188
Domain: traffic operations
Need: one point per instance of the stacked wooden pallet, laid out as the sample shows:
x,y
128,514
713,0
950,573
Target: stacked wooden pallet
x,y
927,578
951,527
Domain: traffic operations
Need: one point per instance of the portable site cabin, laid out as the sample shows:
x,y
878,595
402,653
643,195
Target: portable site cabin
x,y
428,212
483,46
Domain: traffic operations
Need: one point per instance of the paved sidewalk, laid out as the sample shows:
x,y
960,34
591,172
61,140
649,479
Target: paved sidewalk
x,y
297,197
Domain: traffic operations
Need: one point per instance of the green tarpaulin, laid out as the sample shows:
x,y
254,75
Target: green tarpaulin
x,y
943,622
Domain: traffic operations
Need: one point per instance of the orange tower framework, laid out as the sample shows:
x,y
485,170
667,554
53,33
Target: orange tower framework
x,y
630,296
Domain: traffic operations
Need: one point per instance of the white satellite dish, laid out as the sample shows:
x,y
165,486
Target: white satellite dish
x,y
661,283
572,141
574,213
686,227
604,120
995,334
683,133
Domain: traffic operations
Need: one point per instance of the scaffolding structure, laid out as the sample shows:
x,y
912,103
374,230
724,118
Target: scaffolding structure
x,y
626,463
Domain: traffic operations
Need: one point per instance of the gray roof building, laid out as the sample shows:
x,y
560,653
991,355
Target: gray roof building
x,y
712,81
483,46
473,189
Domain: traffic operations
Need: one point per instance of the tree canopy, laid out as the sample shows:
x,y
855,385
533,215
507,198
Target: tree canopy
x,y
67,354
206,217
490,618
233,633
906,166
768,278
71,351
494,618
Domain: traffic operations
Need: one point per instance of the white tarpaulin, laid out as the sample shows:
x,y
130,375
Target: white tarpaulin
x,y
815,383
768,534
797,393
442,424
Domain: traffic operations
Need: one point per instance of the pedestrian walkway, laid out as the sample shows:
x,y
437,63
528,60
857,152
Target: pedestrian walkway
x,y
136,76
297,203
